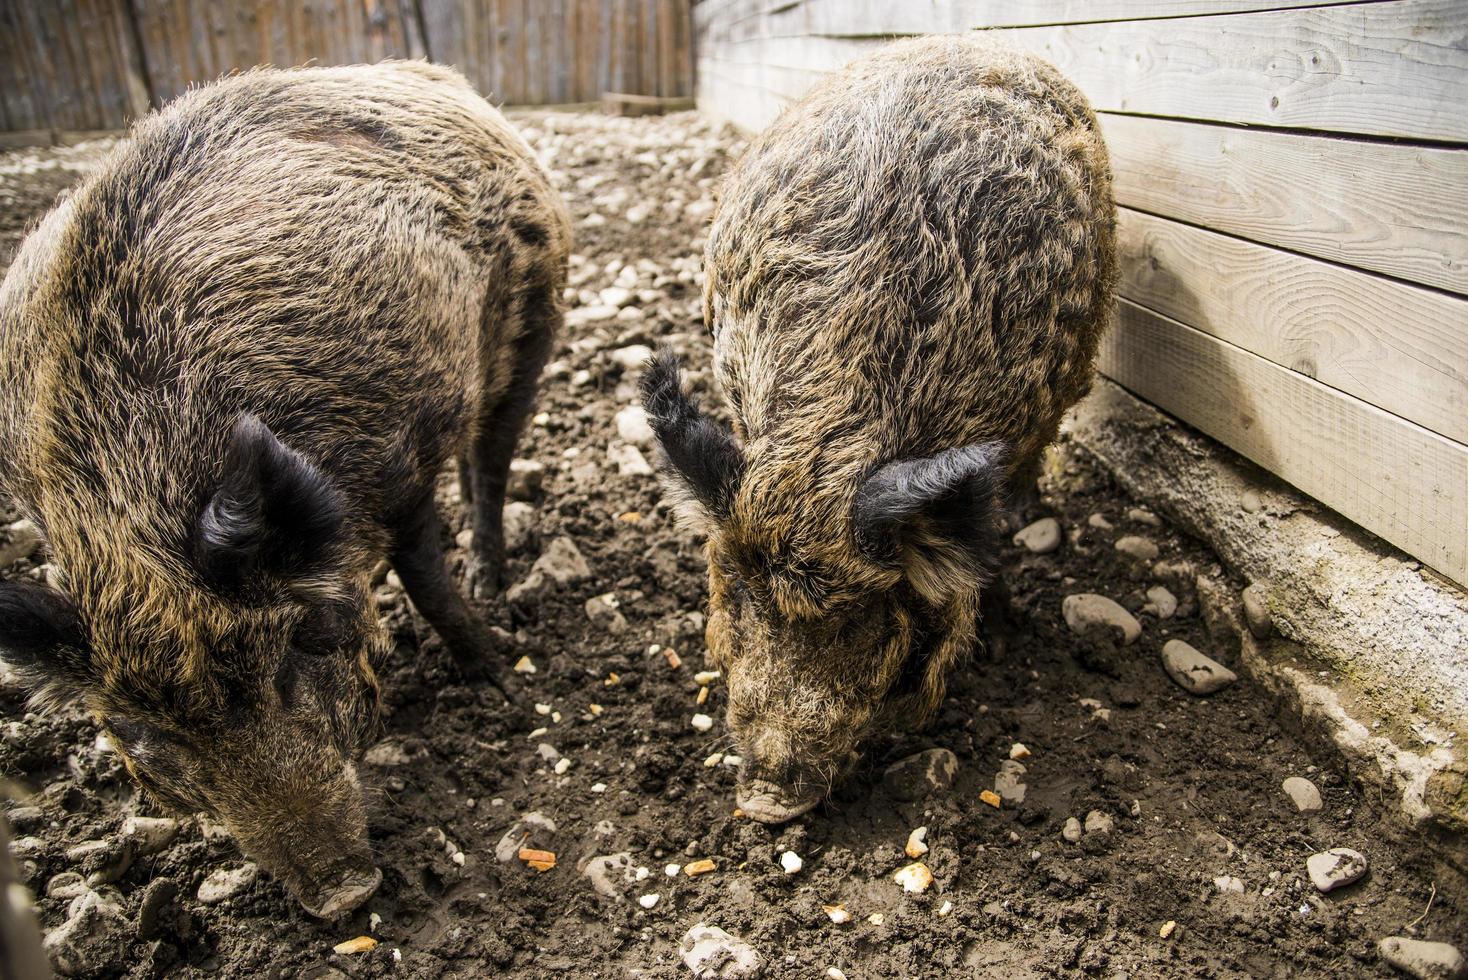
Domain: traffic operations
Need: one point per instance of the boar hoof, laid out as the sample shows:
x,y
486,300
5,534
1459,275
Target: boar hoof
x,y
769,803
351,891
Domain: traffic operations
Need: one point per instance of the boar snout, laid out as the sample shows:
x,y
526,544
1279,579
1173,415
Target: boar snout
x,y
780,781
342,894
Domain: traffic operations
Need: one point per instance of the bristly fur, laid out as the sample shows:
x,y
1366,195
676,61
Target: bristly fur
x,y
703,454
910,268
232,363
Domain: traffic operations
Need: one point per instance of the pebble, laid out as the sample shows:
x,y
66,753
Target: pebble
x,y
157,900
526,478
1256,610
945,908
1304,794
519,522
1041,537
388,752
706,677
1335,868
1086,611
1072,830
837,914
1138,548
921,774
1228,884
711,952
1194,672
702,723
524,666
633,427
610,874
1007,782
632,358
1160,602
534,829
226,883
1098,822
629,460
604,613
917,843
649,900
68,884
1424,960
22,539
590,314
1099,522
1139,516
618,296
91,940
791,862
1019,751
563,562
149,835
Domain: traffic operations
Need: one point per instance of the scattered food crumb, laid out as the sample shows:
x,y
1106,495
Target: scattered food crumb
x,y
791,862
361,944
837,914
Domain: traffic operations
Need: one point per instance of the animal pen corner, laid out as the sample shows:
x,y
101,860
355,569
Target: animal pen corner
x,y
1292,183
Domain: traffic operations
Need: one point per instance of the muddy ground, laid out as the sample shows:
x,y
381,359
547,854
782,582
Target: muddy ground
x,y
1190,786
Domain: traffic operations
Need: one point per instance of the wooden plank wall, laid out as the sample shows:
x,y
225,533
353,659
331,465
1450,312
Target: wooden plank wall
x,y
96,64
1292,182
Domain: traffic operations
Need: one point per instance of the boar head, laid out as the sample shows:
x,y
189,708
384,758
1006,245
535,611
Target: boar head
x,y
837,605
233,671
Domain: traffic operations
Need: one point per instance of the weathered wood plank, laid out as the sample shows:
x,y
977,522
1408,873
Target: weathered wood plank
x,y
1399,347
1397,209
1383,69
1394,478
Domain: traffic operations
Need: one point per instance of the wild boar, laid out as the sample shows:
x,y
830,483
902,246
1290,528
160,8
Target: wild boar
x,y
907,279
232,363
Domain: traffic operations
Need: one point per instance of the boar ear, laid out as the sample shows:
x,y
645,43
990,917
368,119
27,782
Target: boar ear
x,y
937,516
42,639
706,461
273,512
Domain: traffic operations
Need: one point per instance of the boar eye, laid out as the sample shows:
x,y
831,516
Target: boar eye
x,y
158,761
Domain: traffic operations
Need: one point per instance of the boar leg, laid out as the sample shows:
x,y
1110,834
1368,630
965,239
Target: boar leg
x,y
500,423
1022,492
419,561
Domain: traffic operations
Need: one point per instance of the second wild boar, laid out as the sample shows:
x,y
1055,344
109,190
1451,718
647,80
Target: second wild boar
x,y
232,364
907,279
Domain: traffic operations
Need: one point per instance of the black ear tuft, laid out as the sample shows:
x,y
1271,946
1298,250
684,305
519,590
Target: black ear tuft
x,y
42,639
273,513
703,453
950,497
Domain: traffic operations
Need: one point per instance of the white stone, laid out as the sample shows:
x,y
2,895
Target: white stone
x,y
1086,611
1160,602
22,539
1424,960
711,952
915,878
1194,672
1099,823
633,358
1335,868
629,460
649,900
1138,548
227,882
1041,537
562,561
1228,884
610,874
633,426
702,722
1072,830
1304,793
791,862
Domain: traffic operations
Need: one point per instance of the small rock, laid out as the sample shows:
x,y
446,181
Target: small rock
x,y
104,861
604,613
610,874
633,427
149,835
22,539
1007,782
25,819
519,523
388,752
917,843
1098,822
1072,830
1424,960
1228,884
632,358
1194,672
1087,611
91,940
920,775
837,914
1041,537
157,900
791,862
590,314
629,460
1099,522
702,723
1304,793
68,884
226,883
534,829
1335,868
1137,548
1256,610
1140,516
711,952
618,296
1160,602
526,478
1019,751
648,901
563,562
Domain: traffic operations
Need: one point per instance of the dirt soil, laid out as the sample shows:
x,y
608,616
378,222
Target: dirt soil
x,y
1190,785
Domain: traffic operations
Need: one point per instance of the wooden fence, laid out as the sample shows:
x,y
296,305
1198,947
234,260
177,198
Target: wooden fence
x,y
96,64
1292,177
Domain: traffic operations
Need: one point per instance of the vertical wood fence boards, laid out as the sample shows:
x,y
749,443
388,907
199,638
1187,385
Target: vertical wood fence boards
x,y
1293,182
96,64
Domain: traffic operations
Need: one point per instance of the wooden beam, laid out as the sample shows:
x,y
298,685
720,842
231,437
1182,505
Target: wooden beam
x,y
1394,478
1399,347
1396,209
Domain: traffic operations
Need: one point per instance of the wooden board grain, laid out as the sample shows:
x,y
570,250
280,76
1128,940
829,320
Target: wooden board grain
x,y
1399,347
1397,209
1394,478
1382,69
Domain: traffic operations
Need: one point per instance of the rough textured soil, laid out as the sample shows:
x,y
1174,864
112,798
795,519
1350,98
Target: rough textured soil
x,y
1191,786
